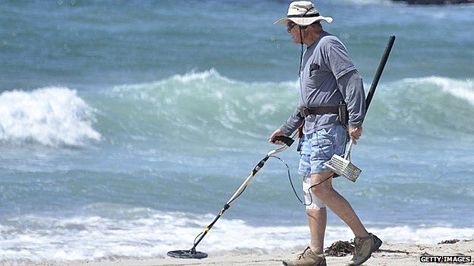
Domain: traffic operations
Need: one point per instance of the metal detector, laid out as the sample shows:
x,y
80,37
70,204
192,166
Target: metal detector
x,y
342,165
192,253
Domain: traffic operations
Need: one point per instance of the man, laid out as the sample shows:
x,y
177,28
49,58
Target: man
x,y
329,85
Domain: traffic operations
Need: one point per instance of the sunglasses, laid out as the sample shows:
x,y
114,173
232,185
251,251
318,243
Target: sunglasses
x,y
290,26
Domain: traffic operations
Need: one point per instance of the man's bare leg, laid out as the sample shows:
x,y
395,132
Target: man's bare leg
x,y
317,219
337,203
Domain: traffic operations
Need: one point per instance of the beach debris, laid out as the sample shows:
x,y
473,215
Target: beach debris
x,y
393,251
340,249
451,241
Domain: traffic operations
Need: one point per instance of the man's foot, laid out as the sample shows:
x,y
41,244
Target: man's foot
x,y
364,248
307,258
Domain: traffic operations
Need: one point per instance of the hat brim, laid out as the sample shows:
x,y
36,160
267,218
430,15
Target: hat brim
x,y
303,21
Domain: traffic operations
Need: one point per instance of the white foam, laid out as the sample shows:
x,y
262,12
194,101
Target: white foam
x,y
200,76
50,116
152,233
463,89
423,234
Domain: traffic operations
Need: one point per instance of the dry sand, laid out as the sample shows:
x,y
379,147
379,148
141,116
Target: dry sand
x,y
389,254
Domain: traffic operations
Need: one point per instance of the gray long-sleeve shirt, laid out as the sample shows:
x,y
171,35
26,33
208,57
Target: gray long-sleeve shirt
x,y
327,77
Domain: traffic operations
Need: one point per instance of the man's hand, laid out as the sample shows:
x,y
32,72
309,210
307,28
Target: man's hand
x,y
355,133
276,133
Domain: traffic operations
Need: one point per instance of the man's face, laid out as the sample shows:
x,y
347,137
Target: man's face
x,y
294,30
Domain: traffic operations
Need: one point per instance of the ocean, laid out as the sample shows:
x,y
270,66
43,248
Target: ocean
x,y
125,126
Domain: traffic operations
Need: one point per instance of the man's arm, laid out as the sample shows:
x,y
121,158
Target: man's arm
x,y
352,89
293,122
349,82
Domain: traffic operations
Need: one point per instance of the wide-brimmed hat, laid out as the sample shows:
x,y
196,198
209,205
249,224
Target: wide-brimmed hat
x,y
302,13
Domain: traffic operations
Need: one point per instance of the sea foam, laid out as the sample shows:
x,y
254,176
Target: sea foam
x,y
463,89
141,232
51,116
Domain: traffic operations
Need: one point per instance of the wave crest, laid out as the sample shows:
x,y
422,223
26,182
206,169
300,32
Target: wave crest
x,y
51,116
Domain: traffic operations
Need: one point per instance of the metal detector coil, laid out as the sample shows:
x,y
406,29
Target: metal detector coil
x,y
187,254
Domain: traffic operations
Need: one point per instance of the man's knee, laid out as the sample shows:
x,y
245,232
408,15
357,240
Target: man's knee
x,y
310,199
314,203
315,209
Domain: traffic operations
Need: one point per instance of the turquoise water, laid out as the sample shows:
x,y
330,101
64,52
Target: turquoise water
x,y
125,126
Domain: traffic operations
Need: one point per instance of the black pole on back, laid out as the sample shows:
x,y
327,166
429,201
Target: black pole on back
x,y
378,74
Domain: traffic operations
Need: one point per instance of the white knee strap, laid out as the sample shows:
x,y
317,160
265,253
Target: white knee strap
x,y
310,199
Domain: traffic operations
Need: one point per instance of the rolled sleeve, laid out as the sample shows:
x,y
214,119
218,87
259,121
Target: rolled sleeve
x,y
293,122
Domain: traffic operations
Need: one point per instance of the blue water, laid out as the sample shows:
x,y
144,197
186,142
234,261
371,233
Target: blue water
x,y
125,126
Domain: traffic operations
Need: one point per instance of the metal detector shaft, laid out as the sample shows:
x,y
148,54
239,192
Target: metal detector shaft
x,y
288,141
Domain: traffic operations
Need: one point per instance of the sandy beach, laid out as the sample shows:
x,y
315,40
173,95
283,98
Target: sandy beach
x,y
389,254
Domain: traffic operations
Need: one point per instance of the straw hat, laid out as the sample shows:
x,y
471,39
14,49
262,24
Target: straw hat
x,y
302,13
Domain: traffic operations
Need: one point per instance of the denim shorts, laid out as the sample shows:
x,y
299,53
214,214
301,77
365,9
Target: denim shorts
x,y
318,148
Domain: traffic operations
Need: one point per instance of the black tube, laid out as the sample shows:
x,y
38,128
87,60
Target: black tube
x,y
382,63
287,140
203,234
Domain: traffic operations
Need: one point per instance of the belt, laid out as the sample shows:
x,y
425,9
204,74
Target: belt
x,y
320,110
